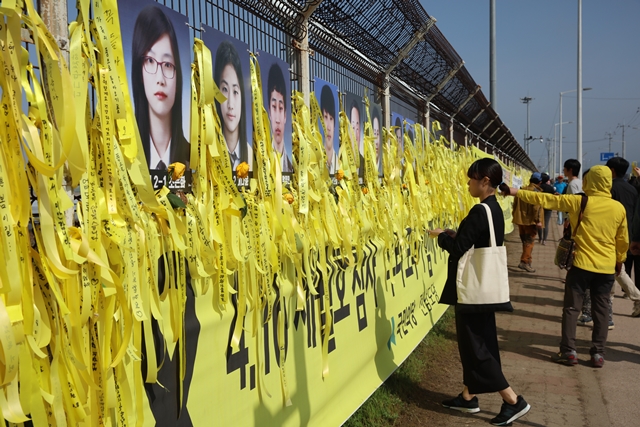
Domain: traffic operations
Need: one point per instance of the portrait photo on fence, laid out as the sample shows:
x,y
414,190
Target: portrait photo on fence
x,y
232,74
409,129
354,107
327,96
376,127
276,90
396,122
157,53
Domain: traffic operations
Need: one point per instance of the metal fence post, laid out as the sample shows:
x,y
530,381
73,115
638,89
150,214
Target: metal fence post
x,y
303,54
54,16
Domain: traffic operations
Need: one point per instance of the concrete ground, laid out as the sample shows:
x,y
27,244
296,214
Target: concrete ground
x,y
560,395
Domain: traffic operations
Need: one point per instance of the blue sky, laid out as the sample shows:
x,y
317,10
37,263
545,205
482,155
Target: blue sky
x,y
537,57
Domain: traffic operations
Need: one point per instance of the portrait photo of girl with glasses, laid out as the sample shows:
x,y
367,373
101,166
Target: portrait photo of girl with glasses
x,y
159,86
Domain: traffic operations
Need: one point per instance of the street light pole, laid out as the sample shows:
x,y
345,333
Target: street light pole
x,y
560,139
579,89
527,100
557,160
493,61
561,123
552,172
550,159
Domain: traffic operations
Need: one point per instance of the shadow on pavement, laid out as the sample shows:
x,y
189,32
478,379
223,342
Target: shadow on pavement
x,y
515,345
613,354
512,240
518,311
515,272
429,400
533,350
542,288
535,300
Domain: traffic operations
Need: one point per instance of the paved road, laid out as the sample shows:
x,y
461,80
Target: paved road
x,y
562,395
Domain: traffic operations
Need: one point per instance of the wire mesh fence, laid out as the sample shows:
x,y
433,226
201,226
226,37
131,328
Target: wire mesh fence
x,y
354,43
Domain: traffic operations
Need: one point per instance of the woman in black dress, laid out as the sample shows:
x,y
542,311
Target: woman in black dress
x,y
476,324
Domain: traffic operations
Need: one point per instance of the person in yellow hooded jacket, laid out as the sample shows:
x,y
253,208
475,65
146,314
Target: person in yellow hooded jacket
x,y
601,243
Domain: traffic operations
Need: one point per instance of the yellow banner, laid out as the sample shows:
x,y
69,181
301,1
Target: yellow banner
x,y
380,314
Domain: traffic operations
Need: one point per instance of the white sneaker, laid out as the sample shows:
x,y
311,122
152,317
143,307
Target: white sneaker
x,y
636,309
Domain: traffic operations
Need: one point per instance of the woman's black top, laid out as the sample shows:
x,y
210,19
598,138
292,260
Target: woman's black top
x,y
547,188
473,231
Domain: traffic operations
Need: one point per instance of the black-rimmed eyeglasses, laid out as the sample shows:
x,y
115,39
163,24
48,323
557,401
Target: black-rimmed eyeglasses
x,y
150,65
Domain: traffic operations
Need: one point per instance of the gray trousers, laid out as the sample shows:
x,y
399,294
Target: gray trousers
x,y
627,286
544,232
578,281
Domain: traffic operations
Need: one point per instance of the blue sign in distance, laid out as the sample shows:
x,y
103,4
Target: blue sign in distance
x,y
605,156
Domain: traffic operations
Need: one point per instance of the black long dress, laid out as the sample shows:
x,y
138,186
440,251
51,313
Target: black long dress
x,y
476,326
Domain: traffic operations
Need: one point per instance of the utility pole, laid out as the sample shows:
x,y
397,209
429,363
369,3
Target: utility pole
x,y
624,143
610,135
527,100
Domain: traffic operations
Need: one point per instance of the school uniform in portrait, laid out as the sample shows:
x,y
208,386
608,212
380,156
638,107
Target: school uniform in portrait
x,y
286,164
476,324
238,156
178,151
332,163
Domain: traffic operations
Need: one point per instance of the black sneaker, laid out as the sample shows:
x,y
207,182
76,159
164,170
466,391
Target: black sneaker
x,y
461,404
510,413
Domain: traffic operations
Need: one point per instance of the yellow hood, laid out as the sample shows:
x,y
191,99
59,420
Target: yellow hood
x,y
598,182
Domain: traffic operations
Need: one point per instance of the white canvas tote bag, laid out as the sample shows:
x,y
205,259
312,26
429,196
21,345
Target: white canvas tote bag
x,y
482,276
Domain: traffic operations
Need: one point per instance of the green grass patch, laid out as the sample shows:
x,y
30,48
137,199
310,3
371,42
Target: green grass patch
x,y
380,410
387,402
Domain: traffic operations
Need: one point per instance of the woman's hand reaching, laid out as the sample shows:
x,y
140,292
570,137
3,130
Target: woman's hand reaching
x,y
450,233
435,232
505,190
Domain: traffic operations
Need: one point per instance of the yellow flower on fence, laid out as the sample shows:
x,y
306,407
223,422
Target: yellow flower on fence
x,y
176,170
